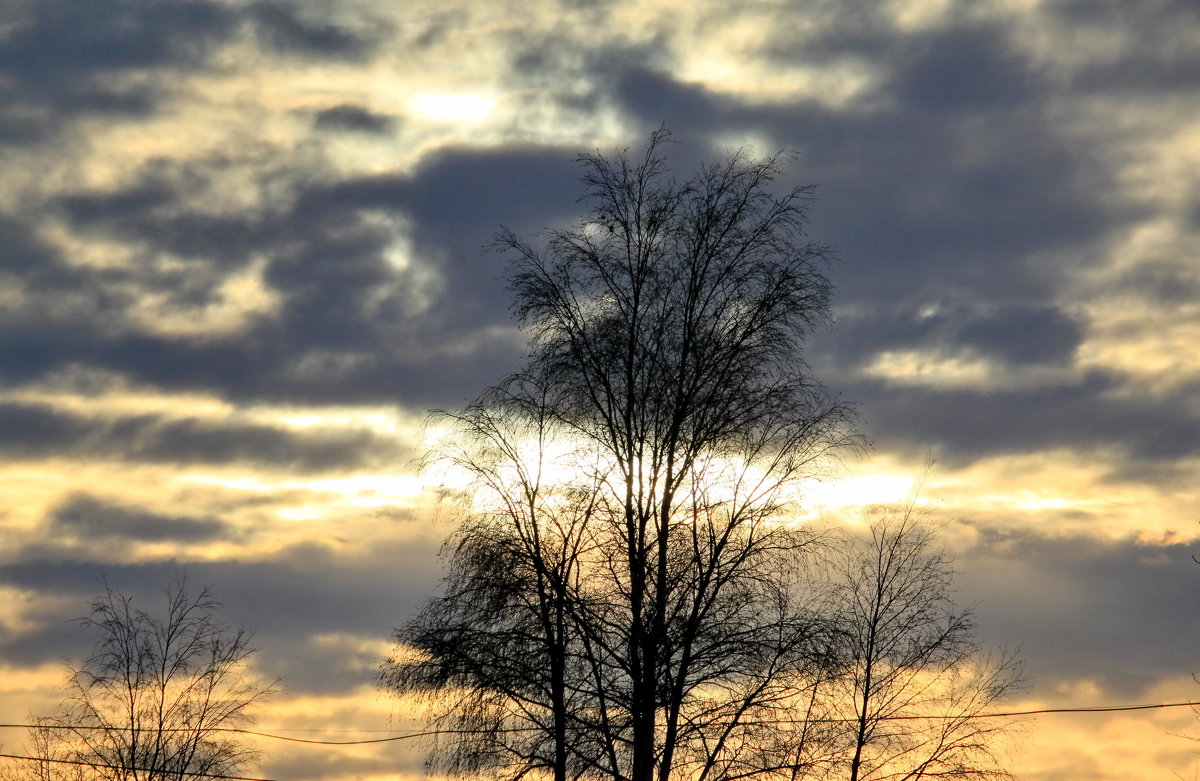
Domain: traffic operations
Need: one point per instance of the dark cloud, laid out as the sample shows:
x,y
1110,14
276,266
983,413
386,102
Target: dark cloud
x,y
348,311
1154,55
65,58
923,204
354,118
1108,14
1020,334
458,189
71,584
1169,283
1079,608
1082,608
1169,478
73,37
922,207
963,70
857,29
460,198
93,518
924,210
153,211
904,199
314,589
1014,334
20,252
355,322
23,127
41,431
956,64
288,28
356,326
119,206
194,440
1142,72
424,368
961,425
658,98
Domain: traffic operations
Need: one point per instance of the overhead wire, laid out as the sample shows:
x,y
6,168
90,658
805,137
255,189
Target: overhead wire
x,y
432,733
106,766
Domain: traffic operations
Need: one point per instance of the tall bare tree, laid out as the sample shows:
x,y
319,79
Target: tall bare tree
x,y
496,654
153,700
916,680
667,328
671,322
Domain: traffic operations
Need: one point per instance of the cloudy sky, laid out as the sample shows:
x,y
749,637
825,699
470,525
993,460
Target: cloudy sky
x,y
241,253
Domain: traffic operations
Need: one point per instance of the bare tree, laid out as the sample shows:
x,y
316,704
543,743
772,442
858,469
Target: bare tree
x,y
667,329
916,680
154,700
496,653
51,756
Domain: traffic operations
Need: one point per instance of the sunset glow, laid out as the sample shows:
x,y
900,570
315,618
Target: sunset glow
x,y
245,248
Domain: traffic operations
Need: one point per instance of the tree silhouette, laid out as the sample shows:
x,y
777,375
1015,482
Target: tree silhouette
x,y
154,699
627,592
914,678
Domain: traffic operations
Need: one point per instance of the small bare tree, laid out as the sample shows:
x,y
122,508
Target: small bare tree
x,y
154,700
916,680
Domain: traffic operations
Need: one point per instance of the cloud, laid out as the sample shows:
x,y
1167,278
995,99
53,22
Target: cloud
x,y
1014,334
117,36
963,69
933,206
92,518
1153,55
363,289
1167,283
352,118
60,65
460,198
348,318
1023,334
1086,413
182,210
23,254
41,431
656,97
294,30
1084,609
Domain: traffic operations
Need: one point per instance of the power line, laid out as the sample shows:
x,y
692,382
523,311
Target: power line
x,y
239,731
194,773
389,739
431,733
1042,711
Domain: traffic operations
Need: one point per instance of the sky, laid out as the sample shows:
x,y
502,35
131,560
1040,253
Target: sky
x,y
243,251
